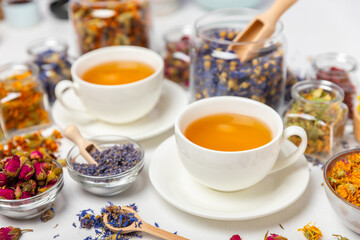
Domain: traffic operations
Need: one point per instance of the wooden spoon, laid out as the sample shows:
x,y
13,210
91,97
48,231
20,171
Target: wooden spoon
x,y
261,27
143,227
85,146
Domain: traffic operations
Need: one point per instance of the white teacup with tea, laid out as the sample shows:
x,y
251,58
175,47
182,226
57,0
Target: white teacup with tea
x,y
231,143
118,84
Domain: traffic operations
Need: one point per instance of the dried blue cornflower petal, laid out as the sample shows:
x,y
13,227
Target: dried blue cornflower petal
x,y
116,218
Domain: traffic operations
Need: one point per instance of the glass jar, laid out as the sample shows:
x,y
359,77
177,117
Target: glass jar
x,y
215,71
340,69
50,55
318,107
24,105
102,23
177,54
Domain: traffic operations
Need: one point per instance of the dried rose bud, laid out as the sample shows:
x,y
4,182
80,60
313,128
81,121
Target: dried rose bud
x,y
235,237
2,164
12,166
61,162
11,233
23,160
25,195
3,179
30,186
46,166
43,189
18,192
36,155
7,194
40,173
57,171
51,178
27,171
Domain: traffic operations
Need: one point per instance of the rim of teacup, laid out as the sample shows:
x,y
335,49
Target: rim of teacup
x,y
226,98
111,49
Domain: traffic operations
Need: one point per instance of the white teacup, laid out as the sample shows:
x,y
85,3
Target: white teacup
x,y
114,103
232,171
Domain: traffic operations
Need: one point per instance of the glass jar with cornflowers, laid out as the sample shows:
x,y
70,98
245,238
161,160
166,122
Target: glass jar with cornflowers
x,y
318,107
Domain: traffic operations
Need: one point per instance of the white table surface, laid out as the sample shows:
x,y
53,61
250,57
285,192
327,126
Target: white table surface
x,y
311,27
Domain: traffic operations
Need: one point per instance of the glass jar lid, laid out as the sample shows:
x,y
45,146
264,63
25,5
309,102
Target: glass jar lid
x,y
329,61
300,89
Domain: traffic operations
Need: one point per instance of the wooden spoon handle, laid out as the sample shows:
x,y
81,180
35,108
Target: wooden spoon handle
x,y
277,9
72,133
158,232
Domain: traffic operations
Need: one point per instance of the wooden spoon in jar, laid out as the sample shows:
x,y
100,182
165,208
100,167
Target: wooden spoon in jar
x,y
85,146
261,27
143,227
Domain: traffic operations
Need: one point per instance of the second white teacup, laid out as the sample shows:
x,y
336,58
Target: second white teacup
x,y
121,103
234,170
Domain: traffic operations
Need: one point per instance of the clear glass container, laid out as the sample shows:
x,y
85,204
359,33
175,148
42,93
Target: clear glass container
x,y
177,54
217,71
24,104
33,206
318,107
102,23
105,185
50,55
340,69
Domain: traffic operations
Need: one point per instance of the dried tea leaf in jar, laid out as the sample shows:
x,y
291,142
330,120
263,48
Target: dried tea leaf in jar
x,y
102,23
23,102
318,107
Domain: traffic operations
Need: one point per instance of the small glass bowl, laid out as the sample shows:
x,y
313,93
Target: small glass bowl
x,y
33,206
346,211
105,185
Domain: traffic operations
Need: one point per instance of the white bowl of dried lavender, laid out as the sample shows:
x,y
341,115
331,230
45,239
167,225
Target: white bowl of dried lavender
x,y
120,161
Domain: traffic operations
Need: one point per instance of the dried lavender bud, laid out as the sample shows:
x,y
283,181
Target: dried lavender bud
x,y
27,171
12,166
7,194
3,179
111,161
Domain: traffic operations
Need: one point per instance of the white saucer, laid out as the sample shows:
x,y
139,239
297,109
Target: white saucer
x,y
160,119
272,194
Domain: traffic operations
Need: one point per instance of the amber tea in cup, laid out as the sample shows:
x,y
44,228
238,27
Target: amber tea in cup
x,y
228,132
117,72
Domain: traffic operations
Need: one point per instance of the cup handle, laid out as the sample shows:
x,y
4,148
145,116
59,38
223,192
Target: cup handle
x,y
60,88
292,158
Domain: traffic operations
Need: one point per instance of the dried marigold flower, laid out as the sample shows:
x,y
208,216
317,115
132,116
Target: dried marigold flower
x,y
311,232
